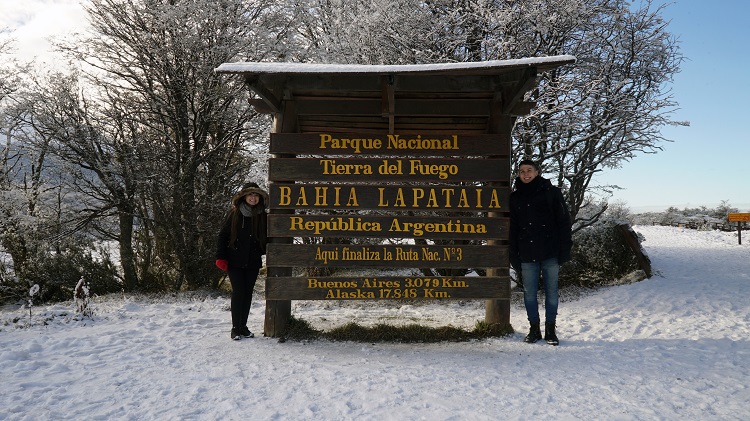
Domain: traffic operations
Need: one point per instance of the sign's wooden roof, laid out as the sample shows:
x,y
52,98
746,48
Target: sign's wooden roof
x,y
443,97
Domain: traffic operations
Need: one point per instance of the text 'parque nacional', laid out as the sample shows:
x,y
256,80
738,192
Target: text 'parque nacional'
x,y
393,142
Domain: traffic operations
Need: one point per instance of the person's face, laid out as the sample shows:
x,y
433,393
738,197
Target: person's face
x,y
527,173
252,199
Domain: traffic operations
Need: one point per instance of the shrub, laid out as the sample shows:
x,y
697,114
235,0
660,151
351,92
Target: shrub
x,y
600,255
57,273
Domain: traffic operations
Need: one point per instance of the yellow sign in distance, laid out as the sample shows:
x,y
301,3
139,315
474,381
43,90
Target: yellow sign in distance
x,y
738,217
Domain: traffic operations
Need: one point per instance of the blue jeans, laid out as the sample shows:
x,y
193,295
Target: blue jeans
x,y
530,274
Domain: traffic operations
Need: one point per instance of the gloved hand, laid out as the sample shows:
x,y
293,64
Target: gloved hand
x,y
222,264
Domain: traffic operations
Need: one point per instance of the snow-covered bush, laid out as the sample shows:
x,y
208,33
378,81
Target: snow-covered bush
x,y
33,291
600,254
57,273
82,297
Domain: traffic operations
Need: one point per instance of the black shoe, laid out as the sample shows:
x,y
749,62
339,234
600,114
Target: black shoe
x,y
245,332
549,334
235,334
534,335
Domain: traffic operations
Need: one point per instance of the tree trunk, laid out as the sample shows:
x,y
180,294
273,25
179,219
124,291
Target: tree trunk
x,y
127,254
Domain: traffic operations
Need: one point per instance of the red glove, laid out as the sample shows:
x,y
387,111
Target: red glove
x,y
222,264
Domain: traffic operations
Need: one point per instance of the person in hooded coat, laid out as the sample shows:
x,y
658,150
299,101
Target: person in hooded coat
x,y
540,241
241,244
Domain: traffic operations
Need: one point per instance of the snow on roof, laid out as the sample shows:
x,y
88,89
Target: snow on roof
x,y
264,67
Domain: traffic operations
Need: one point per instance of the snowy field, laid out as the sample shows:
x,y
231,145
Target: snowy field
x,y
676,346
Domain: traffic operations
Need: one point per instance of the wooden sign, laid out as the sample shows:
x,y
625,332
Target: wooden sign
x,y
738,217
390,144
388,287
388,169
396,174
390,197
458,227
386,256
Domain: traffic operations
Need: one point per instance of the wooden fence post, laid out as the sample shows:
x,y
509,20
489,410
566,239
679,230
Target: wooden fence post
x,y
631,239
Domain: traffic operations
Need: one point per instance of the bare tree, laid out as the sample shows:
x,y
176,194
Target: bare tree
x,y
364,31
20,173
596,114
100,152
156,58
606,108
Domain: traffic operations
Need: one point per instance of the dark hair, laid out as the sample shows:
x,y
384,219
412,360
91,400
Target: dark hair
x,y
529,162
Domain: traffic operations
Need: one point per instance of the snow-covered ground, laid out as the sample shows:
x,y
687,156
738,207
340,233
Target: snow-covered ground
x,y
676,346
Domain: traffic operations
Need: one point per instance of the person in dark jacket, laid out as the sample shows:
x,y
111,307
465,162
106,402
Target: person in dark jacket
x,y
540,241
242,241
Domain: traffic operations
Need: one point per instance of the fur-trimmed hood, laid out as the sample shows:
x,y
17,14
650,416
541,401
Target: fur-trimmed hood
x,y
247,189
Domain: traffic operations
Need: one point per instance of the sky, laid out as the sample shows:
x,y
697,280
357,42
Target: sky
x,y
705,164
672,347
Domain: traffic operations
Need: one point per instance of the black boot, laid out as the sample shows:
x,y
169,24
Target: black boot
x,y
549,334
534,335
235,334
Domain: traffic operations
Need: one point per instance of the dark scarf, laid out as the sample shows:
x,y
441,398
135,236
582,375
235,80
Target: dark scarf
x,y
535,185
243,209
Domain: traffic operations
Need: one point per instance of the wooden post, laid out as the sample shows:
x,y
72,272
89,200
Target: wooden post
x,y
278,312
739,233
497,312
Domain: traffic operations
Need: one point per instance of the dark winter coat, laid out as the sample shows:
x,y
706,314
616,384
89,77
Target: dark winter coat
x,y
250,233
540,226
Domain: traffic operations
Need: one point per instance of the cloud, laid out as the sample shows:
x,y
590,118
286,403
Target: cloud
x,y
33,23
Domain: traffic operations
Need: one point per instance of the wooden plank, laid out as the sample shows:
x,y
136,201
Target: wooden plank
x,y
388,169
387,287
379,124
423,144
319,85
390,197
738,217
403,127
442,107
353,106
386,256
361,226
336,106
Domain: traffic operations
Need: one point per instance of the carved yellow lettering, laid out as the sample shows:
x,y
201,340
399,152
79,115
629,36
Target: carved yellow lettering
x,y
448,194
494,200
381,200
302,198
463,201
320,196
353,198
337,191
324,138
285,196
432,200
400,198
296,224
418,195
